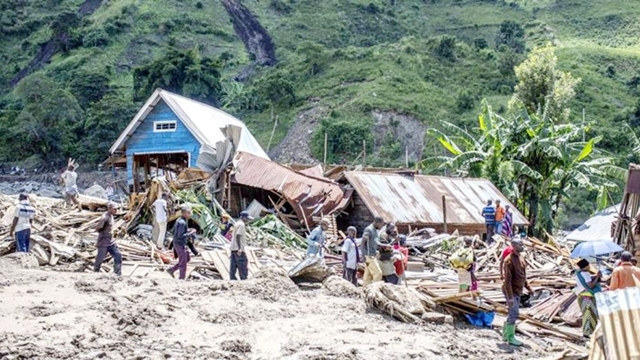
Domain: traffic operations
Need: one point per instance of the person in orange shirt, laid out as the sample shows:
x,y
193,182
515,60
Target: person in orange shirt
x,y
499,218
623,275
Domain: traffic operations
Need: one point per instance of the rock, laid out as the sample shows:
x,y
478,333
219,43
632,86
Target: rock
x,y
437,318
96,191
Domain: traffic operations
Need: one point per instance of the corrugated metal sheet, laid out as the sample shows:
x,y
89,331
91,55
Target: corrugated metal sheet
x,y
203,121
619,313
418,199
309,196
596,228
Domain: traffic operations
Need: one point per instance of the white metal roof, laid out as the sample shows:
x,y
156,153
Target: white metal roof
x,y
418,199
596,228
203,121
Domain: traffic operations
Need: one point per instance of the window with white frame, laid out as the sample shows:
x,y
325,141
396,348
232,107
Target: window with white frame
x,y
164,126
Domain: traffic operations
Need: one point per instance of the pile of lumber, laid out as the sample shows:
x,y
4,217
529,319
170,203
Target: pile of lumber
x,y
63,239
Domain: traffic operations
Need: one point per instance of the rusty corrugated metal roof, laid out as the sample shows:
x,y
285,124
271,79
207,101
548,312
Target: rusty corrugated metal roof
x,y
418,199
309,196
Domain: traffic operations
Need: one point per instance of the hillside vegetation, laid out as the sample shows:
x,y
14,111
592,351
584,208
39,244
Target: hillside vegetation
x,y
74,72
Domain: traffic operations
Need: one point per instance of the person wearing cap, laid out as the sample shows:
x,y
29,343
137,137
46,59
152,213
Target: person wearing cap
x,y
515,280
317,237
22,221
106,244
587,287
238,262
370,244
181,236
160,216
623,275
226,226
350,256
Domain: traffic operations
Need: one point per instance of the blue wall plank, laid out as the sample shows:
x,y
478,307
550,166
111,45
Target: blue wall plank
x,y
145,140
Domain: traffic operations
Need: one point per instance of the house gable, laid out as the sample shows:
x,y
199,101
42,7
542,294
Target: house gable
x,y
146,139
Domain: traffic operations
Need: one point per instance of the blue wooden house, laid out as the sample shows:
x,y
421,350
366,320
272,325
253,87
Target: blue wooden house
x,y
169,133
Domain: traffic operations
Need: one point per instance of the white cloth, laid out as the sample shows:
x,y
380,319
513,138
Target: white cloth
x,y
587,279
160,207
464,277
24,212
349,248
69,178
238,229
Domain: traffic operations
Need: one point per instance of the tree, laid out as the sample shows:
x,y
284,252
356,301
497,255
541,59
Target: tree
x,y
88,87
511,34
105,119
532,159
182,71
276,87
542,86
315,56
47,123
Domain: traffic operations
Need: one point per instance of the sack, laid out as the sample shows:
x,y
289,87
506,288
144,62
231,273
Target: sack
x,y
461,259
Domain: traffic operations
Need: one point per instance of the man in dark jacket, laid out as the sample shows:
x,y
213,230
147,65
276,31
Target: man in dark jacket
x,y
181,236
105,243
515,280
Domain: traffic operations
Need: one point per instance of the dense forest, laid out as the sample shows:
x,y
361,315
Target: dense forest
x,y
74,72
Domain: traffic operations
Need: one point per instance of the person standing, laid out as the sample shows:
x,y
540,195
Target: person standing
x,y
105,243
372,272
623,275
387,258
350,256
515,280
489,214
400,245
497,229
316,239
239,261
226,226
507,223
160,216
587,287
506,252
181,236
70,177
466,275
22,221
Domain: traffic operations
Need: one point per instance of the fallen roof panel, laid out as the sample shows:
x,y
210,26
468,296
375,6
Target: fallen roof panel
x,y
310,196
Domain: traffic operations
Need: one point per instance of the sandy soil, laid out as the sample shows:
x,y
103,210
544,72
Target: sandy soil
x,y
54,315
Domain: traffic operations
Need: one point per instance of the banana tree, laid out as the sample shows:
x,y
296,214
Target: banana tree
x,y
533,160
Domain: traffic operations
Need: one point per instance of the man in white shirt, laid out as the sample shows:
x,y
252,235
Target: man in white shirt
x,y
21,225
350,256
71,194
239,262
159,210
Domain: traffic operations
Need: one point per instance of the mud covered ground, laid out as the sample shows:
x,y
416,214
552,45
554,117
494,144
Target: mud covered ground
x,y
54,315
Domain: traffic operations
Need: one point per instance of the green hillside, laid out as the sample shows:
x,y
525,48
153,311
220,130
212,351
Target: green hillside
x,y
382,71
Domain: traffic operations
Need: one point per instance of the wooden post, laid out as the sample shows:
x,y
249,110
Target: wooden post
x,y
364,154
444,212
325,149
406,157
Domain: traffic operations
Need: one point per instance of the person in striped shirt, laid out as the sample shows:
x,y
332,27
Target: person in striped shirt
x,y
21,225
